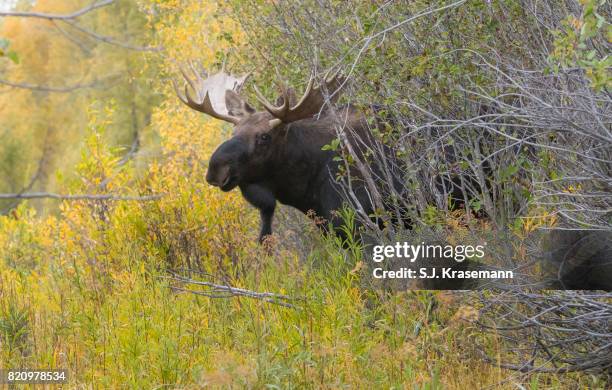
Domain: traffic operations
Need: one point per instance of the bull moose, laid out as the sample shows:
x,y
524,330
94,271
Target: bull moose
x,y
275,154
278,155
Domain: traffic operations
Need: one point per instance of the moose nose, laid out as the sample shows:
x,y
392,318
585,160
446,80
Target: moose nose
x,y
210,179
217,175
222,164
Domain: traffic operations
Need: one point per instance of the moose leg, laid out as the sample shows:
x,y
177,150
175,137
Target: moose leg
x,y
266,223
264,200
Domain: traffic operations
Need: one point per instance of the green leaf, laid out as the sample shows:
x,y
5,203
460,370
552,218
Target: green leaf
x,y
476,205
333,145
518,224
13,56
591,55
600,21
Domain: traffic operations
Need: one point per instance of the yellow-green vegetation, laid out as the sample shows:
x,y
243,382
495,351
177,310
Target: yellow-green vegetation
x,y
86,288
42,130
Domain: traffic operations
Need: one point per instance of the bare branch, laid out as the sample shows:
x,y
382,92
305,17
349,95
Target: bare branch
x,y
110,40
554,332
47,88
50,195
70,38
42,15
226,291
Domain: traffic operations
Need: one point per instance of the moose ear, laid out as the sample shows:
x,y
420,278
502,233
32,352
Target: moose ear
x,y
236,106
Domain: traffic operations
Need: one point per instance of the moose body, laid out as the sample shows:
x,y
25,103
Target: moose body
x,y
296,172
276,154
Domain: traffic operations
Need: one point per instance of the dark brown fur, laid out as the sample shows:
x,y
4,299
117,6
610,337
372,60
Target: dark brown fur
x,y
285,163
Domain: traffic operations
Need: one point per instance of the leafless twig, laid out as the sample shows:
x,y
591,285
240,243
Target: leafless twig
x,y
554,332
70,16
47,88
109,40
214,290
50,195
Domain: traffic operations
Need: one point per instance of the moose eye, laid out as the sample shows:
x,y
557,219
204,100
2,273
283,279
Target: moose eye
x,y
264,138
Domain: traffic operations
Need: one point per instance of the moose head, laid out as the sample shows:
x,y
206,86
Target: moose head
x,y
273,154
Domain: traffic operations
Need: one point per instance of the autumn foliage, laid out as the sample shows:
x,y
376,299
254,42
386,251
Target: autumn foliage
x,y
84,285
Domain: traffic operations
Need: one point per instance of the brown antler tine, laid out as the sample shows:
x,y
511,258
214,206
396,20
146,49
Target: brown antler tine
x,y
311,102
286,107
190,102
262,99
206,103
278,112
187,79
180,94
286,98
308,92
334,84
198,81
195,73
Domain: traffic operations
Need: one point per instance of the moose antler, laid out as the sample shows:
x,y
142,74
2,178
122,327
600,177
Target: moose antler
x,y
210,92
310,104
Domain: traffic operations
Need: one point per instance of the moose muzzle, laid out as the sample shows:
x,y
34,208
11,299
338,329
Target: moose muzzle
x,y
222,171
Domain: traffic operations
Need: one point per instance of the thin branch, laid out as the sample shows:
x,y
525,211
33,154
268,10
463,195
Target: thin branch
x,y
42,15
368,40
50,195
34,178
72,39
110,40
225,291
419,15
46,88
